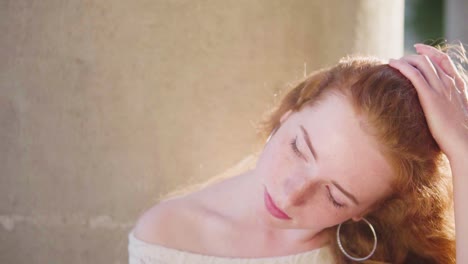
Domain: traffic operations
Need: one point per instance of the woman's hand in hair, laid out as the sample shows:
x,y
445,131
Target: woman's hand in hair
x,y
443,96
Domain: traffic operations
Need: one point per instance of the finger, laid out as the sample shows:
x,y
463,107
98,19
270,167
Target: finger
x,y
449,82
450,88
461,98
424,91
424,64
415,76
444,62
460,86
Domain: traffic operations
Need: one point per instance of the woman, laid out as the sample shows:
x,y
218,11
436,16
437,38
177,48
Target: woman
x,y
358,166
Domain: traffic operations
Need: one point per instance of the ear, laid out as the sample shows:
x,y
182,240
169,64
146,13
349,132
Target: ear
x,y
357,218
285,116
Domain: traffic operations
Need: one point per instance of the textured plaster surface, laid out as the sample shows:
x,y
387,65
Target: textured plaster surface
x,y
104,105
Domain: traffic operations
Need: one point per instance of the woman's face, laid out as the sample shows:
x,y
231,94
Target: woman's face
x,y
321,167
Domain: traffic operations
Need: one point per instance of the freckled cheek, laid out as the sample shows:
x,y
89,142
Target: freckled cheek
x,y
277,156
318,215
283,167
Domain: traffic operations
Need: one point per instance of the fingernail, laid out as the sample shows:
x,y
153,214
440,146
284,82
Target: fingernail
x,y
419,45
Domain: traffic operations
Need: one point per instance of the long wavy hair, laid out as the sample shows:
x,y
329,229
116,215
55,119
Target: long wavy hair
x,y
416,223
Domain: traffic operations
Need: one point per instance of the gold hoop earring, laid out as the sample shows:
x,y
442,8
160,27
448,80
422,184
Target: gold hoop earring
x,y
346,253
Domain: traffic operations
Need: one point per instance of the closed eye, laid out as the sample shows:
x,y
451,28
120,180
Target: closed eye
x,y
332,199
295,149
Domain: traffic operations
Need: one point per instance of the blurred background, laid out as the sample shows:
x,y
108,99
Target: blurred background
x,y
435,22
107,104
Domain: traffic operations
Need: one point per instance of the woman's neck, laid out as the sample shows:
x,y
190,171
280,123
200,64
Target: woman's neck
x,y
239,200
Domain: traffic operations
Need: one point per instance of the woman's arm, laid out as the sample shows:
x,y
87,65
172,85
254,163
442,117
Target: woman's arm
x,y
459,167
443,95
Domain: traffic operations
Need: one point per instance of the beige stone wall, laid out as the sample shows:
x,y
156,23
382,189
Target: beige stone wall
x,y
106,104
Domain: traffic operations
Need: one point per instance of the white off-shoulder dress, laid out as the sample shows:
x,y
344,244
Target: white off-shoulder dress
x,y
141,252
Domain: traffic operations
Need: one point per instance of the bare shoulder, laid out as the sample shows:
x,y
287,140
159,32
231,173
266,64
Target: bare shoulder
x,y
150,225
175,224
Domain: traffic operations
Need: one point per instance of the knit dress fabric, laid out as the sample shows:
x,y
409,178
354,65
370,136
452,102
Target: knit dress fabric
x,y
141,252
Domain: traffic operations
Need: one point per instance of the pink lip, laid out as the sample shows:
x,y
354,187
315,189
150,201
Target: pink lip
x,y
272,208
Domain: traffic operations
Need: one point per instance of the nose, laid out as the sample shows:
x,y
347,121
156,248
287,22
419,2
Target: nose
x,y
297,189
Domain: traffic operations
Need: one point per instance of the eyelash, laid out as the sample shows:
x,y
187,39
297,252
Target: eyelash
x,y
294,147
298,153
330,197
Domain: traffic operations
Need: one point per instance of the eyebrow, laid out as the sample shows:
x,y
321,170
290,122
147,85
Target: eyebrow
x,y
349,195
306,136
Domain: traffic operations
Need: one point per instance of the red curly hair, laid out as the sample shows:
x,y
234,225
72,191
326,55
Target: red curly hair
x,y
416,223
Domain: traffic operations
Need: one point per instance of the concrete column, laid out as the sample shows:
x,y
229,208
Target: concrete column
x,y
456,13
106,104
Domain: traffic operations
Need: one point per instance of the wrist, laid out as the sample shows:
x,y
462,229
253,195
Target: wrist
x,y
459,153
458,148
